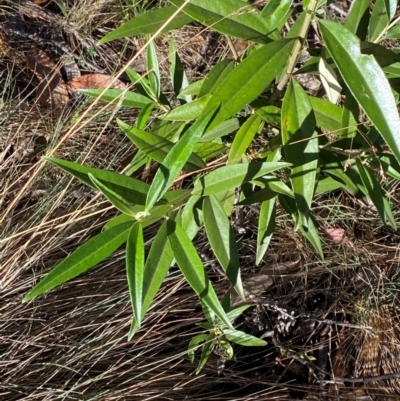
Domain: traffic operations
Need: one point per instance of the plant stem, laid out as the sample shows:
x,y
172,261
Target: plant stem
x,y
297,48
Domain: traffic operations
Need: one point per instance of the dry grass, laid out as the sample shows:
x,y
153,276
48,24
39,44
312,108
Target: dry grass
x,y
72,343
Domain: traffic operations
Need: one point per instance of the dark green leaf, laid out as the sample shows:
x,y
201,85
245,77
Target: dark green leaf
x,y
149,23
207,349
82,259
177,71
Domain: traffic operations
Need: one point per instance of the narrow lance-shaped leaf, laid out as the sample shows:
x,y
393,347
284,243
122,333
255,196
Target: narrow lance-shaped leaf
x,y
119,96
129,188
250,78
300,144
135,270
206,352
266,226
230,17
222,241
178,76
242,338
86,256
156,268
358,18
379,20
243,138
366,81
229,177
153,69
373,190
195,344
118,201
157,147
274,12
192,268
176,159
149,23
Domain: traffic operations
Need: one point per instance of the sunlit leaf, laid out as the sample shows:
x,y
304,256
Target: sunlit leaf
x,y
222,241
242,338
192,268
176,159
300,144
135,270
232,176
266,226
82,259
358,18
366,81
149,23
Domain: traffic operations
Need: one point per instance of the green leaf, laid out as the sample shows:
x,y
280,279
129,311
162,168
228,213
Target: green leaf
x,y
131,189
327,184
116,199
311,234
374,192
300,144
274,12
271,114
358,18
144,116
135,270
242,338
266,226
194,345
250,78
192,268
177,71
366,81
193,89
207,150
156,268
235,313
379,21
393,33
391,6
244,138
222,241
216,76
329,81
232,176
222,129
207,349
149,23
192,216
226,349
153,69
230,17
157,147
188,111
119,96
176,159
82,259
